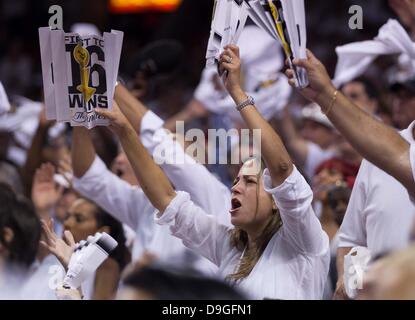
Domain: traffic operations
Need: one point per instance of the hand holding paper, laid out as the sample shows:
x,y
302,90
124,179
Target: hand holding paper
x,y
319,80
284,20
229,18
79,75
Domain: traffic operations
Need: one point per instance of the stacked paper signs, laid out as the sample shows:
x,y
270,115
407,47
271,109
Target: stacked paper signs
x,y
228,21
283,20
79,75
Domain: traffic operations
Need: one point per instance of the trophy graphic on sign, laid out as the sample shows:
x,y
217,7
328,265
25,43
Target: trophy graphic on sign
x,y
79,74
81,56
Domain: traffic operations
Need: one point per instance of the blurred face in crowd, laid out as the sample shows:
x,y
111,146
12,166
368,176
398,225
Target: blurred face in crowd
x,y
403,109
317,133
81,220
251,204
56,150
64,204
338,199
356,92
346,152
122,168
324,180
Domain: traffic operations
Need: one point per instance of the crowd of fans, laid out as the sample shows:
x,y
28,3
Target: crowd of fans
x,y
336,174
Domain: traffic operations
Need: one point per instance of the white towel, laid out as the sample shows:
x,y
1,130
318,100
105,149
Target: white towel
x,y
355,58
355,265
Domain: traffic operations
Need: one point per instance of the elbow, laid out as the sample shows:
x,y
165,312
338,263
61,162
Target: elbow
x,y
284,168
165,201
280,172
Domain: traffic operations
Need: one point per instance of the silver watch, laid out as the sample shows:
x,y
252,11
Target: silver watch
x,y
248,102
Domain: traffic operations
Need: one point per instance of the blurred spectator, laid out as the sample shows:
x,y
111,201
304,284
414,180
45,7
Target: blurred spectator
x,y
312,142
156,281
84,219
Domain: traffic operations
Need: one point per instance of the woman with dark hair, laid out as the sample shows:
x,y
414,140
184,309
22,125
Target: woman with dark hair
x,y
277,248
166,282
84,219
19,241
19,229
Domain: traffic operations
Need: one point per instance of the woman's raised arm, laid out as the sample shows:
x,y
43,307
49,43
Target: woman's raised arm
x,y
273,151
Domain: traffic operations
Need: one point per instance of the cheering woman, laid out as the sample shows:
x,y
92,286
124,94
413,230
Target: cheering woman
x,y
276,248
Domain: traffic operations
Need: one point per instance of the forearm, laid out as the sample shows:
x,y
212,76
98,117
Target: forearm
x,y
183,115
83,152
131,107
273,151
152,179
376,142
296,145
193,110
34,157
341,252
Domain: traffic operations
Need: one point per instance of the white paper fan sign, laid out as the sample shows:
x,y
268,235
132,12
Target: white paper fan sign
x,y
4,101
79,75
284,20
229,18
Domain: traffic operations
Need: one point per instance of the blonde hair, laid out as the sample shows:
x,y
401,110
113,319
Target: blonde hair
x,y
239,239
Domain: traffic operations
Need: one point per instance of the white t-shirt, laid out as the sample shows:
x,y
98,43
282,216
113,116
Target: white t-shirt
x,y
380,213
130,205
295,262
43,279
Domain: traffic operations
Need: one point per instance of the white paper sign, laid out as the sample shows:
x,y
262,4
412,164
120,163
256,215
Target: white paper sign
x,y
4,101
229,18
79,75
284,20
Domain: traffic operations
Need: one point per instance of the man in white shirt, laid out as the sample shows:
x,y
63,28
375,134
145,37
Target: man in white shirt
x,y
375,141
379,216
128,203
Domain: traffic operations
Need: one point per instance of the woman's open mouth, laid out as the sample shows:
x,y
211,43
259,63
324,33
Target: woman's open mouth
x,y
236,204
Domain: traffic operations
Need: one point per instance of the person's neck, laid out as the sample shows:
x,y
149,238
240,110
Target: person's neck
x,y
253,235
328,222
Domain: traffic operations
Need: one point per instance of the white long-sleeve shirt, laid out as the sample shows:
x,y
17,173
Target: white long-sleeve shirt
x,y
380,213
130,205
295,262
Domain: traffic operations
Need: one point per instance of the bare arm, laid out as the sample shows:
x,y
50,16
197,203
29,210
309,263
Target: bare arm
x,y
375,141
34,154
152,179
275,155
296,145
340,293
193,110
83,152
131,107
106,280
